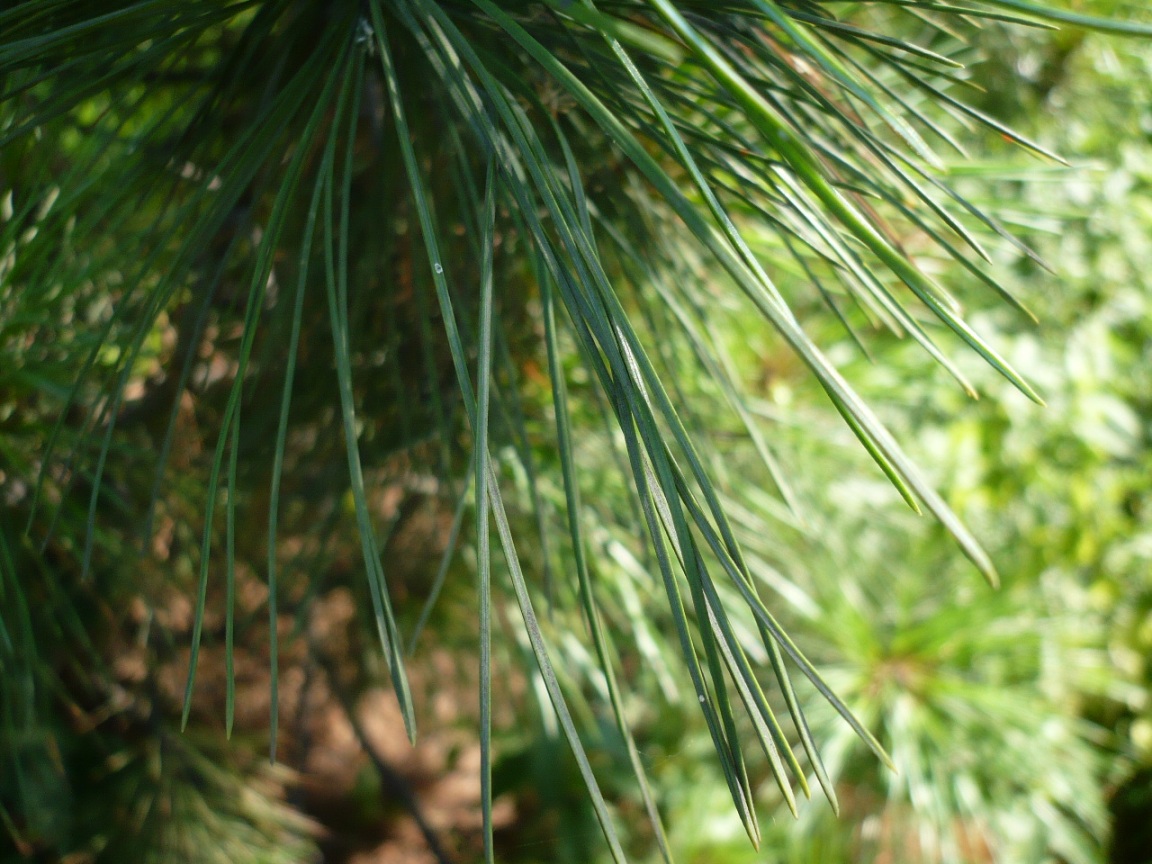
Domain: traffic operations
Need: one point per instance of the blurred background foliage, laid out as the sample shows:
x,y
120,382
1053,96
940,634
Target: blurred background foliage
x,y
1019,721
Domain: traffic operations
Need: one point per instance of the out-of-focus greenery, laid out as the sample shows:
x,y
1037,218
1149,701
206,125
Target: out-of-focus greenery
x,y
1020,722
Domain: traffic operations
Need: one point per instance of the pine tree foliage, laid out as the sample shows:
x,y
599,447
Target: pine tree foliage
x,y
334,233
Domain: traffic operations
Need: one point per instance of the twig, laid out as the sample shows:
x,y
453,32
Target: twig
x,y
390,779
